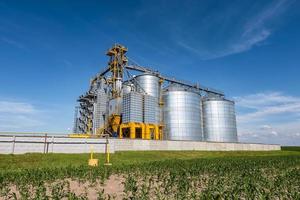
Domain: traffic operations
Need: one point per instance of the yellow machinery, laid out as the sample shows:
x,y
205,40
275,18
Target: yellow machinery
x,y
134,130
115,121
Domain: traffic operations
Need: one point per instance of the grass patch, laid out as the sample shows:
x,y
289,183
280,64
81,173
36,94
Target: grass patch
x,y
37,160
290,148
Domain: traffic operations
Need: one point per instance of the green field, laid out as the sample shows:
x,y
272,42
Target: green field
x,y
153,175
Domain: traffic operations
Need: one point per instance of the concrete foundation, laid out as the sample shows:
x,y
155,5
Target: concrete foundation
x,y
54,144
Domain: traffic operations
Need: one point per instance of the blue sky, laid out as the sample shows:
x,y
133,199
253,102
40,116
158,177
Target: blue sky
x,y
249,49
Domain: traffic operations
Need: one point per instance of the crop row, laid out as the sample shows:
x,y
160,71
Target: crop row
x,y
273,177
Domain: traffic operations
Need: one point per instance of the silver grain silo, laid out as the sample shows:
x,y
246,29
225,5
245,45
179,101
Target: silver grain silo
x,y
219,121
150,85
182,114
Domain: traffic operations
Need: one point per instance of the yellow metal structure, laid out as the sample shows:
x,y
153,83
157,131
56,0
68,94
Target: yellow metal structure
x,y
116,65
151,132
115,121
83,135
146,131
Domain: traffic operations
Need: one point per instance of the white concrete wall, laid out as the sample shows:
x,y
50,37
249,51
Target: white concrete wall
x,y
136,145
54,145
9,146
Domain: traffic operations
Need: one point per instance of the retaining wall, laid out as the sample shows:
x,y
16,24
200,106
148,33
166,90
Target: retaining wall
x,y
168,145
54,144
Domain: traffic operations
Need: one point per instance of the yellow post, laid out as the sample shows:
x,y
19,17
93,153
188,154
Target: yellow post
x,y
93,162
107,152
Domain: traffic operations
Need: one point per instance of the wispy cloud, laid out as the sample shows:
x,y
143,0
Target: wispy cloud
x,y
16,107
267,104
270,117
16,116
259,20
67,63
12,42
252,32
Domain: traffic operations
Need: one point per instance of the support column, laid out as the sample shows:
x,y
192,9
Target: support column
x,y
156,132
143,126
147,132
132,130
121,132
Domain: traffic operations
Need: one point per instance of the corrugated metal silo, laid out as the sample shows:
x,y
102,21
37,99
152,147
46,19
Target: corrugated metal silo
x,y
219,120
149,84
182,114
132,107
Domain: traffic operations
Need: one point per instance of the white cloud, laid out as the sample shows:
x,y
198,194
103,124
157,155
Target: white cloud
x,y
270,117
267,104
18,116
274,133
16,107
264,99
265,127
247,42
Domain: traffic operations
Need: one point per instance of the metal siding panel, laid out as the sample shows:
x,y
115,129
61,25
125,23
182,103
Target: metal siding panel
x,y
182,115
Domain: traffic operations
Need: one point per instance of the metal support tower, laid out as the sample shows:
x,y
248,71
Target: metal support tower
x,y
116,65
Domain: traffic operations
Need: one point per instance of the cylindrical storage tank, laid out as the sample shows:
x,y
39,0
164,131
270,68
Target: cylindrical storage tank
x,y
149,84
219,121
182,114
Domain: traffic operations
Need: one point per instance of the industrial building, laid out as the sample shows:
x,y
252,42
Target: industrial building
x,y
126,100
